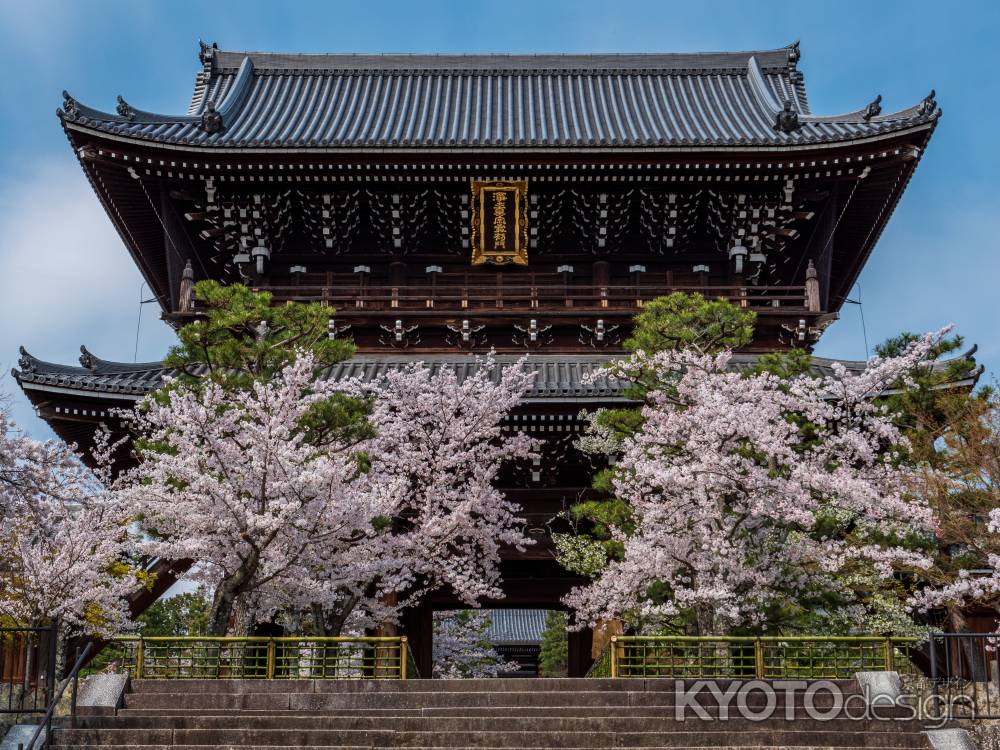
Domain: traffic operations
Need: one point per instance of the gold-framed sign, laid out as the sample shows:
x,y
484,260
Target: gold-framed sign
x,y
500,222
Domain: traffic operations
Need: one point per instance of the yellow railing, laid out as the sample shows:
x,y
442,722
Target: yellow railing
x,y
262,658
735,657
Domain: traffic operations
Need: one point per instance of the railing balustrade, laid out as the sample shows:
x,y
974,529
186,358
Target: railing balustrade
x,y
263,658
772,657
27,669
484,295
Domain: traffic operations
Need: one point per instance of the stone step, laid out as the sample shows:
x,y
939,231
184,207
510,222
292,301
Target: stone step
x,y
433,686
303,701
763,737
57,746
390,714
508,723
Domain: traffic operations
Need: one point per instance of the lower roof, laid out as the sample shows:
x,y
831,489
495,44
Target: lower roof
x,y
559,378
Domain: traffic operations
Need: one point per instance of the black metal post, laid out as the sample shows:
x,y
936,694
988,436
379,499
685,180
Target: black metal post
x,y
50,668
934,682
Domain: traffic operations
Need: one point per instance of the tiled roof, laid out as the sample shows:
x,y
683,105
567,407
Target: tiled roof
x,y
510,626
558,377
266,100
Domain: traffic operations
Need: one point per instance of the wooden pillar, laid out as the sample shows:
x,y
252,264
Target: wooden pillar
x,y
397,280
418,627
578,659
813,302
602,279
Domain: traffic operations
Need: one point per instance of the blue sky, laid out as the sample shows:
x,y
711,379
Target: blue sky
x,y
66,278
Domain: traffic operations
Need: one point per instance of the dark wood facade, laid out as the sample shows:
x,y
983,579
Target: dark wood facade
x,y
347,179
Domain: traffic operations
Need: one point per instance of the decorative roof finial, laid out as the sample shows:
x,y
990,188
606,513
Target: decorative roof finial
x,y
26,362
70,107
206,51
211,118
124,109
86,358
928,105
874,109
794,53
787,120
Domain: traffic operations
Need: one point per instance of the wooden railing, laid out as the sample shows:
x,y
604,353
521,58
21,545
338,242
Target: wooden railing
x,y
496,295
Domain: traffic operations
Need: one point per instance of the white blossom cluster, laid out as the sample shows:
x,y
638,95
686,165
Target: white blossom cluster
x,y
461,648
732,476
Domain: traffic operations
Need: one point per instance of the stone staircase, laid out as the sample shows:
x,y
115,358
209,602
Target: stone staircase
x,y
499,713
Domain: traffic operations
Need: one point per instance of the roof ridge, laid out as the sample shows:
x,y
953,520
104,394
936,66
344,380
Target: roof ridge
x,y
265,61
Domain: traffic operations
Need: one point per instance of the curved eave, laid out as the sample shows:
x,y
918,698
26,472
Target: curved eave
x,y
135,249
82,383
749,149
852,273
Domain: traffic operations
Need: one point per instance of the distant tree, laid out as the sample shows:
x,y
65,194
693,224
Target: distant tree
x,y
965,495
554,656
182,614
462,648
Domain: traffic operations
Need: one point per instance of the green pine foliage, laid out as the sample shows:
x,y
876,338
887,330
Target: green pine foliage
x,y
243,337
554,656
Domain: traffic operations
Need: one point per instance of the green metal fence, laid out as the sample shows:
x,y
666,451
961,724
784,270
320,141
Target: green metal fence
x,y
803,657
261,658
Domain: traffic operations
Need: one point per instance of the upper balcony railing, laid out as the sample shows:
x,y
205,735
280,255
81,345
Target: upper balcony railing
x,y
485,296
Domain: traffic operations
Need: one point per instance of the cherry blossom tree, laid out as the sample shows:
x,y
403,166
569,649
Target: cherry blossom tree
x,y
462,648
63,543
750,492
228,478
437,448
273,513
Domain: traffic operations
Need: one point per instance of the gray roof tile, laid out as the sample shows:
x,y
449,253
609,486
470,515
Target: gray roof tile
x,y
510,626
558,377
507,101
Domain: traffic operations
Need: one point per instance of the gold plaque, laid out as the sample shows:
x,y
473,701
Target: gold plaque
x,y
500,222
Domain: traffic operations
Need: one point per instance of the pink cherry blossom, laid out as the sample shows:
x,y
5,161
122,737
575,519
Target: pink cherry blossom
x,y
728,492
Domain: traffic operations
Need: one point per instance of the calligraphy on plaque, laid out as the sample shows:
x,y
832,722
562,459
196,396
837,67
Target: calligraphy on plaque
x,y
500,222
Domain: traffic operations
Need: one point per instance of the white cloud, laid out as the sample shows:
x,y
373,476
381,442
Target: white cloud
x,y
67,278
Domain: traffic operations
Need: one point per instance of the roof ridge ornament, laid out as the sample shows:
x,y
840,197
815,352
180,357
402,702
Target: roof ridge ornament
x,y
125,109
794,54
211,118
206,51
787,120
928,105
71,107
873,109
86,358
26,362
